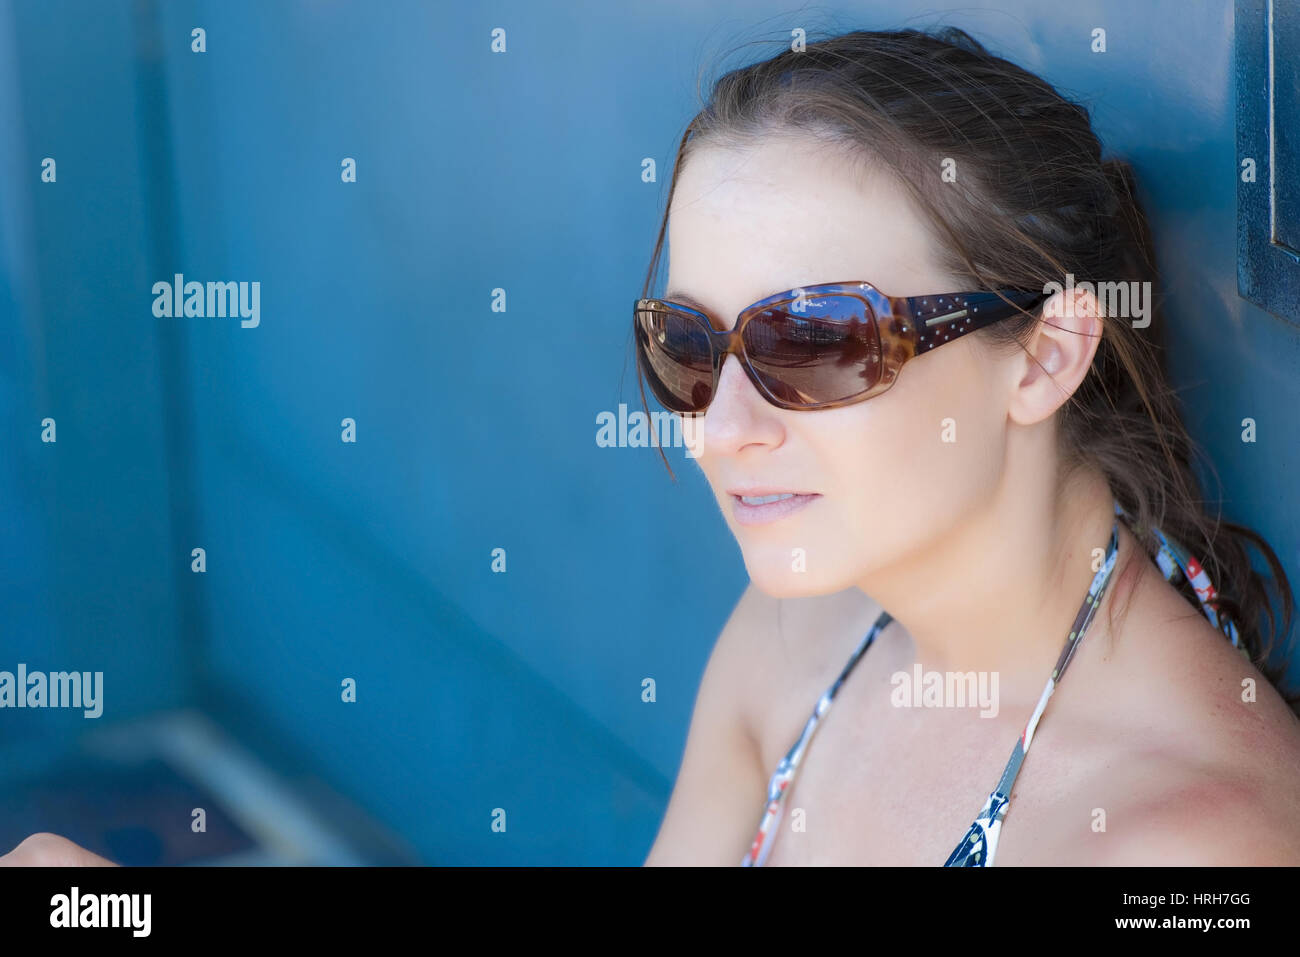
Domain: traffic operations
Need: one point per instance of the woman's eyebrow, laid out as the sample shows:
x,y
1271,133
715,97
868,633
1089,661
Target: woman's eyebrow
x,y
686,299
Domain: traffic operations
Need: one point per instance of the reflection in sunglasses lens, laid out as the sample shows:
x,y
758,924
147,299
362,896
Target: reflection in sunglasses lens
x,y
821,349
677,357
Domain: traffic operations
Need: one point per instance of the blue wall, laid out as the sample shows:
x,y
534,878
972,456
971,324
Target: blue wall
x,y
475,428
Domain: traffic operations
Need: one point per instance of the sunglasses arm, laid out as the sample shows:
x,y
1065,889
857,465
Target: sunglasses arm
x,y
939,319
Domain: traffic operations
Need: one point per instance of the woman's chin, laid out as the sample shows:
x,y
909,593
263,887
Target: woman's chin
x,y
786,583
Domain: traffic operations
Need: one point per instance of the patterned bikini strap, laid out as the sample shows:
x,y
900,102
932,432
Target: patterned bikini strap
x,y
1173,557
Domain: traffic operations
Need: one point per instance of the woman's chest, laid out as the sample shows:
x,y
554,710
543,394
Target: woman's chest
x,y
882,784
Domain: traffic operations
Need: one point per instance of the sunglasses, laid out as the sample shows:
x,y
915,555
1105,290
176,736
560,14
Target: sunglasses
x,y
812,347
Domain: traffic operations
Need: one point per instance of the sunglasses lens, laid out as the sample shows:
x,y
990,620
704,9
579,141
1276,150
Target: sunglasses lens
x,y
815,350
677,358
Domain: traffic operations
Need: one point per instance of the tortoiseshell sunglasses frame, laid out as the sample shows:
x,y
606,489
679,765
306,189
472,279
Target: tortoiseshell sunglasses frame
x,y
907,326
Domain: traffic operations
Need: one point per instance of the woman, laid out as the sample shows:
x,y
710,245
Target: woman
x,y
914,412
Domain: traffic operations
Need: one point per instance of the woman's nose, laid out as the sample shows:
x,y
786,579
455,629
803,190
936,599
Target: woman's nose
x,y
738,416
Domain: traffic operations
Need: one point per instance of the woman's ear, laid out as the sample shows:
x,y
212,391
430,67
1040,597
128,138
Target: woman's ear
x,y
1057,356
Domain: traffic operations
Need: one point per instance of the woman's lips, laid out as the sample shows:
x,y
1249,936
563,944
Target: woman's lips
x,y
762,514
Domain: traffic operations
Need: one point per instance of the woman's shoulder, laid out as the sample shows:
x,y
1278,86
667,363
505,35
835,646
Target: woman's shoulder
x,y
1232,793
1196,754
1222,789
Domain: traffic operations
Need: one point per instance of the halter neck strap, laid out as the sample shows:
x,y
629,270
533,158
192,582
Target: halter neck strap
x,y
1173,558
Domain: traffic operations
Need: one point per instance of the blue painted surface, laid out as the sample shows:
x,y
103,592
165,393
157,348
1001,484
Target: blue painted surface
x,y
475,428
1267,45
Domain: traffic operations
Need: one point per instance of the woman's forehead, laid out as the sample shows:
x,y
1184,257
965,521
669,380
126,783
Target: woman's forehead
x,y
748,223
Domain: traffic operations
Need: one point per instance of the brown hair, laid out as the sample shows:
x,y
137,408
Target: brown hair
x,y
1032,202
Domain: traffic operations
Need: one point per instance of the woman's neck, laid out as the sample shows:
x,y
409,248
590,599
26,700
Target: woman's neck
x,y
1002,591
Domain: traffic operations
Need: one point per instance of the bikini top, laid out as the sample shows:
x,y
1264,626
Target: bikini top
x,y
979,845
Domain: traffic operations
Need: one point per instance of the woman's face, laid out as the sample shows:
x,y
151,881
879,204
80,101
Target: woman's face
x,y
892,476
